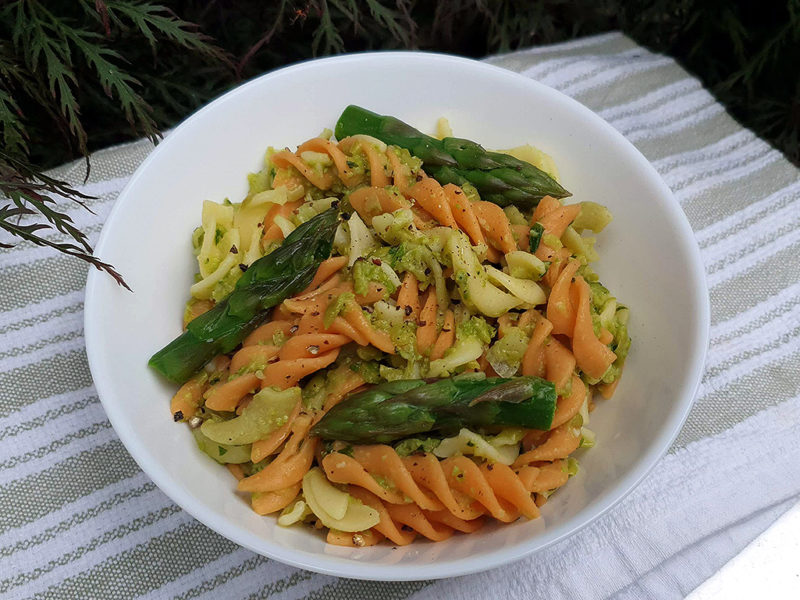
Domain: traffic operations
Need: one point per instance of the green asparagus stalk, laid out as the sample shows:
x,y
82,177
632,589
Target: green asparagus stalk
x,y
499,178
268,282
399,409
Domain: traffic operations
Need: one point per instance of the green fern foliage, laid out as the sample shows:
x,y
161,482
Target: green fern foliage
x,y
50,60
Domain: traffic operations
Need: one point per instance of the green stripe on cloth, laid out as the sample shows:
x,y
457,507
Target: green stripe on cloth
x,y
774,382
64,409
146,567
29,384
37,281
77,476
76,519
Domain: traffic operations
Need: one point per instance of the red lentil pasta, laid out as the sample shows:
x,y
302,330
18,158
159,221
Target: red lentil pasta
x,y
425,280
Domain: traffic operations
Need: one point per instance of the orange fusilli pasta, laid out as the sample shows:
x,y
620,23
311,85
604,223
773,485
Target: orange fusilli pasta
x,y
410,291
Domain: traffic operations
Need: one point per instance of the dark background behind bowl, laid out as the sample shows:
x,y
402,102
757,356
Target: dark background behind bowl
x,y
746,53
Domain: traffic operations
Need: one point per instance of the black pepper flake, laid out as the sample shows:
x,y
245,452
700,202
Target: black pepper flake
x,y
409,310
368,309
293,328
326,342
335,204
346,216
423,323
406,528
178,416
273,360
243,267
315,313
234,250
455,301
490,467
427,270
288,377
419,177
376,262
446,330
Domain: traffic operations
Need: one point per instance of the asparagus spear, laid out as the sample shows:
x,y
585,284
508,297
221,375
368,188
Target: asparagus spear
x,y
392,411
268,282
499,178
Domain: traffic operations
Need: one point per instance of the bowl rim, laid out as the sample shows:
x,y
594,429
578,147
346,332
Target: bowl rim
x,y
331,565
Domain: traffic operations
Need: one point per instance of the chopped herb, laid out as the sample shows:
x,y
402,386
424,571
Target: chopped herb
x,y
537,231
572,467
416,446
366,272
335,308
396,255
368,369
222,451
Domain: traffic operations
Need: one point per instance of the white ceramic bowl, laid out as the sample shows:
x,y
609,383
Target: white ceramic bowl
x,y
648,259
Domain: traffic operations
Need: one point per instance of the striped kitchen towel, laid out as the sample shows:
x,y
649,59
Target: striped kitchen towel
x,y
78,519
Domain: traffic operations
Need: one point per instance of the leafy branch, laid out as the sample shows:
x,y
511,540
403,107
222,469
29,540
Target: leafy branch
x,y
32,194
46,59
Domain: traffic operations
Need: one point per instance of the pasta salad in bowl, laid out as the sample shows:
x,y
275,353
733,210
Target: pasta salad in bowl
x,y
394,338
374,349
